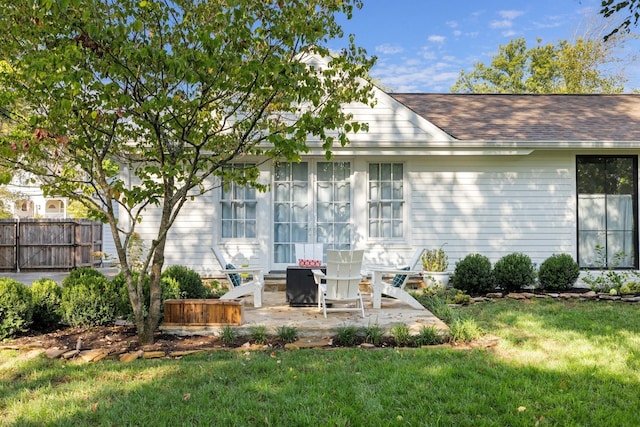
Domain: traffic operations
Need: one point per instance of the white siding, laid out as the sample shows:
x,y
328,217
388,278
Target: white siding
x,y
495,205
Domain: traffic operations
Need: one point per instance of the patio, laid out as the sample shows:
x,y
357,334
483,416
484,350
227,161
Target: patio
x,y
310,322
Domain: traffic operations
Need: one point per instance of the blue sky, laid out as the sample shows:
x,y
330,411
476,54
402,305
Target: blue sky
x,y
422,45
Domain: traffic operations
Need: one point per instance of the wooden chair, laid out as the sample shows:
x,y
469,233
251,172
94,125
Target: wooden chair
x,y
341,283
391,281
254,286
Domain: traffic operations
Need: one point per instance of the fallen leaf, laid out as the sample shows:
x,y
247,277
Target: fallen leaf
x,y
521,409
186,396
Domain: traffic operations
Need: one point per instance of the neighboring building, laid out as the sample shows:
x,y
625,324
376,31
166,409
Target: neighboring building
x,y
32,203
489,174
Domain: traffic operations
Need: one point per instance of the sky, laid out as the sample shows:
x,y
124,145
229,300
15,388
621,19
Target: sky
x,y
422,45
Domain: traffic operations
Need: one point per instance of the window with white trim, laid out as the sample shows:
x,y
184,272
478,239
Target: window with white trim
x,y
238,209
333,205
386,200
607,211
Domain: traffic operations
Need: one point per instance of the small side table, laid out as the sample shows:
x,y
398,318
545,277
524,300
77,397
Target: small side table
x,y
301,289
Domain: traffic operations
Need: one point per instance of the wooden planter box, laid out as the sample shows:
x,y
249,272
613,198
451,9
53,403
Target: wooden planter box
x,y
203,312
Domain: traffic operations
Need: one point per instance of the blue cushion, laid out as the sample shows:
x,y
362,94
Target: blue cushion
x,y
234,277
398,279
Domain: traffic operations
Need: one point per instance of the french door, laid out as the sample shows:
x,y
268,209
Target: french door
x,y
312,204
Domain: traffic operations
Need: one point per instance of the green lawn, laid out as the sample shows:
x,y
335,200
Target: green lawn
x,y
558,363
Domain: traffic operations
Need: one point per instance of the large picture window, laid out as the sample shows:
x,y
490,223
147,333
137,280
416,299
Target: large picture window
x,y
386,200
238,209
607,211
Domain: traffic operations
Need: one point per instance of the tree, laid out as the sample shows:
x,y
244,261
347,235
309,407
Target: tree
x,y
169,92
561,68
613,7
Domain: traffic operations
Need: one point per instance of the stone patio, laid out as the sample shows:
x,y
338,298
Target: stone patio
x,y
310,322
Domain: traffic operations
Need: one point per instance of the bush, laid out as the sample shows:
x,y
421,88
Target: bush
x,y
47,295
190,281
124,302
473,274
514,271
558,272
16,307
465,329
88,298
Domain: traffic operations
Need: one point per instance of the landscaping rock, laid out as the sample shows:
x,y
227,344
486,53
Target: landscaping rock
x,y
130,357
153,354
93,355
54,353
520,295
70,354
494,295
308,343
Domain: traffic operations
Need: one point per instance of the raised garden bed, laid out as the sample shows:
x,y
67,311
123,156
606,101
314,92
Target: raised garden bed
x,y
203,312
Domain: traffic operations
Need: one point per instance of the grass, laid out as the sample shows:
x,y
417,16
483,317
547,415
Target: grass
x,y
558,363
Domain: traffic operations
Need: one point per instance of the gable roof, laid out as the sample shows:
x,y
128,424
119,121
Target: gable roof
x,y
517,117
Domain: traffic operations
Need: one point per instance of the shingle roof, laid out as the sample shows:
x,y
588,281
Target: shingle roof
x,y
500,117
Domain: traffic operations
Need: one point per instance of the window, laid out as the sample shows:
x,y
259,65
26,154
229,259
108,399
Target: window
x,y
238,208
333,205
386,200
291,209
607,211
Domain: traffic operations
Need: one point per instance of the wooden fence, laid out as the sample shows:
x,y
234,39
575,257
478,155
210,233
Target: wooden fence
x,y
49,244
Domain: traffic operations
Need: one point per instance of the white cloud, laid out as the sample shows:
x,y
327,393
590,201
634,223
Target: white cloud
x,y
510,14
389,49
452,24
509,33
436,39
457,33
505,23
418,76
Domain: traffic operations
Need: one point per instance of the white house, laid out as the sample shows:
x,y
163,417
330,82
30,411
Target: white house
x,y
31,202
489,174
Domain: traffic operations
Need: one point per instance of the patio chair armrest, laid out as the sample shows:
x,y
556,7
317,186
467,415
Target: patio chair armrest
x,y
243,270
359,276
383,270
318,273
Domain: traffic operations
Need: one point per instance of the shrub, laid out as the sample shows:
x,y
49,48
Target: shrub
x,y
88,298
401,335
428,335
558,272
473,274
47,295
125,310
190,281
373,334
287,334
228,336
259,334
348,336
465,329
16,307
514,271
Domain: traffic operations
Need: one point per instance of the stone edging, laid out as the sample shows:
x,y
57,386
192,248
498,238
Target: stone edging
x,y
580,296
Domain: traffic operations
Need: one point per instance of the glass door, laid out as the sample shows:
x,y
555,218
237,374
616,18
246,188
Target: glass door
x,y
310,208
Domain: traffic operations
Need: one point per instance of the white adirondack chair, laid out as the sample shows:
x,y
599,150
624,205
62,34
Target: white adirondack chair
x,y
341,283
254,286
391,281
